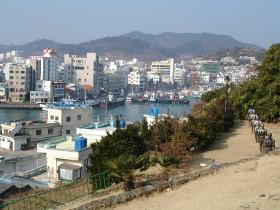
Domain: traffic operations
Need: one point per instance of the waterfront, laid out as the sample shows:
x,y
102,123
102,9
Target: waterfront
x,y
131,112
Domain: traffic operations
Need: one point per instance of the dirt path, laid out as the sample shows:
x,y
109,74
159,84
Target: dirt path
x,y
233,146
249,185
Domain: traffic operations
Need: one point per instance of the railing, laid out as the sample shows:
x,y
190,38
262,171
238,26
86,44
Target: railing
x,y
60,195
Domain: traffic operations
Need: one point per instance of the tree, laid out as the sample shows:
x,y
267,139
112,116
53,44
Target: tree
x,y
145,133
122,141
124,168
261,92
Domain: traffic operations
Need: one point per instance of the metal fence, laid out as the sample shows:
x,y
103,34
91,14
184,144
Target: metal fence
x,y
60,195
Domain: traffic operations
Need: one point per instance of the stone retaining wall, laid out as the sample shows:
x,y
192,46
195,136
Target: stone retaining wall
x,y
153,186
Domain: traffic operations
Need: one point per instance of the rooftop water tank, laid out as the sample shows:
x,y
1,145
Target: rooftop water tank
x,y
80,143
122,123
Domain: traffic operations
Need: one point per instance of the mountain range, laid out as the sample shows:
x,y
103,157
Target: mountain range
x,y
141,45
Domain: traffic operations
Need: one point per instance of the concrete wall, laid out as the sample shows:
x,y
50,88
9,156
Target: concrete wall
x,y
12,143
62,114
23,164
31,130
57,157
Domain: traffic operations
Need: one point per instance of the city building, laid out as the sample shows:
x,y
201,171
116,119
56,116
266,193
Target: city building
x,y
83,71
136,79
49,65
3,92
180,74
165,69
69,116
35,63
112,83
34,131
47,91
19,82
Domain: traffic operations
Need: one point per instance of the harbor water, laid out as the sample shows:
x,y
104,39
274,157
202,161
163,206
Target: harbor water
x,y
130,111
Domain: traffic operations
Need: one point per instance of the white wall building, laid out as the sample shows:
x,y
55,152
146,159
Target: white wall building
x,y
49,65
165,69
64,161
42,93
12,142
69,117
83,71
136,78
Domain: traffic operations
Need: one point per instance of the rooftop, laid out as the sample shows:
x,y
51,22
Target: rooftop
x,y
65,143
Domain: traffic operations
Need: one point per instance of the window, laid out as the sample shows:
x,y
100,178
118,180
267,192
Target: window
x,y
56,118
11,77
68,119
79,117
50,131
68,132
23,72
52,117
38,132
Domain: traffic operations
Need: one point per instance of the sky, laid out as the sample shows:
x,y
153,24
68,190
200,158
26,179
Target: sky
x,y
74,21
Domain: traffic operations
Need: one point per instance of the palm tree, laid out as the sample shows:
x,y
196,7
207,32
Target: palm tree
x,y
125,166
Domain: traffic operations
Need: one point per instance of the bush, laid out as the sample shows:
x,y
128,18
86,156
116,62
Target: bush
x,y
167,160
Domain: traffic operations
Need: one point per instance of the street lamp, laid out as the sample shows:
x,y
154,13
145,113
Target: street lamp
x,y
227,80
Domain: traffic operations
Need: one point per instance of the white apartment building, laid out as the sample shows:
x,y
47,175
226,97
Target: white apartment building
x,y
42,92
69,117
83,71
153,76
136,79
6,71
165,69
180,74
49,65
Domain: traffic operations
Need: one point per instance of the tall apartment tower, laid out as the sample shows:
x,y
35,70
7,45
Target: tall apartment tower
x,y
165,69
19,82
83,71
49,65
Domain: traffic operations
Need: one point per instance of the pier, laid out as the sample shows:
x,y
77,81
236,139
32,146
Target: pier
x,y
11,105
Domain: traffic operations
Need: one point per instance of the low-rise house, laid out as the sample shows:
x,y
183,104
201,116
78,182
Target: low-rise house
x,y
34,131
67,157
13,142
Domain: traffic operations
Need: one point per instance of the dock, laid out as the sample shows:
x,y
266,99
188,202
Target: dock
x,y
11,105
